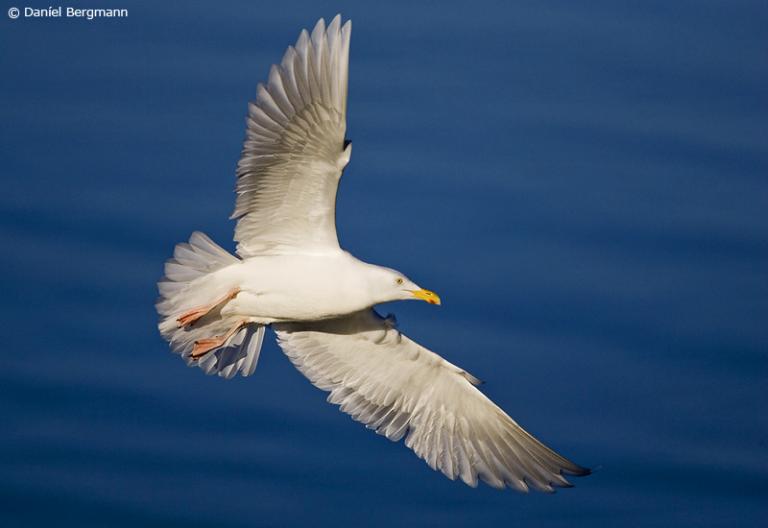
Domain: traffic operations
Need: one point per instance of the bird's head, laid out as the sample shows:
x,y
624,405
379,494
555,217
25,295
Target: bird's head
x,y
391,285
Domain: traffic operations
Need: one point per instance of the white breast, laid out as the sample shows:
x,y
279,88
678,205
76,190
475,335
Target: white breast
x,y
298,287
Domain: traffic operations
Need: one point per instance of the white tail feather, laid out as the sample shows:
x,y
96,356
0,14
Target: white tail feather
x,y
239,354
185,286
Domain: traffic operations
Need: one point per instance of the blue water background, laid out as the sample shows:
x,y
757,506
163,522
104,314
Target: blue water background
x,y
584,183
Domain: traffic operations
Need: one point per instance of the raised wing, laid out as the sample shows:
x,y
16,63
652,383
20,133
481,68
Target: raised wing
x,y
397,387
294,150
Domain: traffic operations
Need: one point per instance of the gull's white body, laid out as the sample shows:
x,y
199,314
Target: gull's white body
x,y
292,294
278,288
292,274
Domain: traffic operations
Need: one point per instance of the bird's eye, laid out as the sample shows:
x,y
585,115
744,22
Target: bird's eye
x,y
399,280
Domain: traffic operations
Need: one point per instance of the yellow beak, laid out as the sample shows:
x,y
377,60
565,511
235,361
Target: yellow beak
x,y
426,295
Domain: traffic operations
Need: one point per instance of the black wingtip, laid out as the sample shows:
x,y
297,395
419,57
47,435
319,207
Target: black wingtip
x,y
579,471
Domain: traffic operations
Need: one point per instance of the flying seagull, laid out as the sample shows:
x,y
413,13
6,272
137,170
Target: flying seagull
x,y
291,274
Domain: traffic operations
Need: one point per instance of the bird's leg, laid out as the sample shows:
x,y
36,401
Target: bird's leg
x,y
208,344
190,317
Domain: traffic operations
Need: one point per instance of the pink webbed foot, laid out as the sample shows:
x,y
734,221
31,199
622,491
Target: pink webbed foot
x,y
209,344
190,317
203,346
